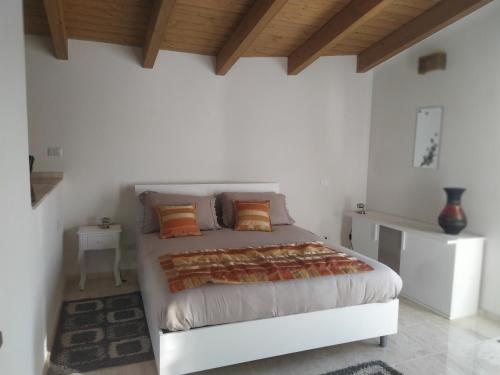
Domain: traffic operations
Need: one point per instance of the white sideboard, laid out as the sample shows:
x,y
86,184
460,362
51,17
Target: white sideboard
x,y
440,271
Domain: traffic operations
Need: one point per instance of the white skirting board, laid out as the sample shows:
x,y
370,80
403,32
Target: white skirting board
x,y
216,346
489,315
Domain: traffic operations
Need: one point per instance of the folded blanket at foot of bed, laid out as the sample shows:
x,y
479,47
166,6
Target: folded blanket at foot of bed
x,y
188,270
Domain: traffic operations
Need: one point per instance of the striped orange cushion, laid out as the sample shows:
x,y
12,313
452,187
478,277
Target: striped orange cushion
x,y
252,216
177,221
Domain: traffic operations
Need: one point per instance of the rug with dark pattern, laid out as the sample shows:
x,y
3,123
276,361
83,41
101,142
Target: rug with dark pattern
x,y
100,332
367,368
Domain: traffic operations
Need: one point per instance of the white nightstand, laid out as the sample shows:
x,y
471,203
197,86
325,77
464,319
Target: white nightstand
x,y
96,238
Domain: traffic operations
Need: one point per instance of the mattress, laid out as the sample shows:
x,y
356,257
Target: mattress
x,y
219,304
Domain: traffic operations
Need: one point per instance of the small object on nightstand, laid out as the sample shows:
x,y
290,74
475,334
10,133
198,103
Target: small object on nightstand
x,y
361,208
96,238
105,222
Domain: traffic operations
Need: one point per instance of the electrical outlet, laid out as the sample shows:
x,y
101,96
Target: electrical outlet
x,y
55,151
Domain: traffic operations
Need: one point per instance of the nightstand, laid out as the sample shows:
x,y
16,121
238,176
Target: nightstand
x,y
96,238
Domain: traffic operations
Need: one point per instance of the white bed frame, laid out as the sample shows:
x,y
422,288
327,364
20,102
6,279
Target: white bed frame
x,y
209,347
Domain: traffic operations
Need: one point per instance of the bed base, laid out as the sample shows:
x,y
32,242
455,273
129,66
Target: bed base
x,y
204,348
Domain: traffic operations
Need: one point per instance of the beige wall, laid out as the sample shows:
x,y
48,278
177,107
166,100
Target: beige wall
x,y
120,124
469,91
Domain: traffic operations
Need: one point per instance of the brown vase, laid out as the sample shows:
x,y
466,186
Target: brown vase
x,y
452,219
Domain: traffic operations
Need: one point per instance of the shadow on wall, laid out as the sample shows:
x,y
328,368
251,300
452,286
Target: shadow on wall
x,y
346,225
133,54
345,231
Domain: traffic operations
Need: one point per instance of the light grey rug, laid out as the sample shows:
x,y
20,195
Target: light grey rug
x,y
367,368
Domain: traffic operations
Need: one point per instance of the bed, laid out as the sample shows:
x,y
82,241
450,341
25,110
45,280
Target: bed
x,y
219,325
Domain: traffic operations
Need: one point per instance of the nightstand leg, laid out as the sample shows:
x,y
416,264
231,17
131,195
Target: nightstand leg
x,y
118,278
83,271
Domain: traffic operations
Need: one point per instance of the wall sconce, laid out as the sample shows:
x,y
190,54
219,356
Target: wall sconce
x,y
429,63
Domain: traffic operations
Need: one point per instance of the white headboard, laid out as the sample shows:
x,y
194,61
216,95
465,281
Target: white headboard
x,y
203,189
209,189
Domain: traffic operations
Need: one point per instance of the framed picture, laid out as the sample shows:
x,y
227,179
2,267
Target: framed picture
x,y
428,137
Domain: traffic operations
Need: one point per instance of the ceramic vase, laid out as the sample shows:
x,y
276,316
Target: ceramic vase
x,y
452,219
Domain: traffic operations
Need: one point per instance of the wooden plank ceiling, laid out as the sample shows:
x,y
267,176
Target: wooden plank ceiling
x,y
302,30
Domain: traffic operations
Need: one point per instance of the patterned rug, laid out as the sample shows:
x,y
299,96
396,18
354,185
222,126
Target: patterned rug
x,y
100,332
367,368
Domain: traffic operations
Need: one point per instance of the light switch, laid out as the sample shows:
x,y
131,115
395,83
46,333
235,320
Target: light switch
x,y
55,151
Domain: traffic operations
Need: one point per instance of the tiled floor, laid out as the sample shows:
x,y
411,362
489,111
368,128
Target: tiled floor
x,y
425,345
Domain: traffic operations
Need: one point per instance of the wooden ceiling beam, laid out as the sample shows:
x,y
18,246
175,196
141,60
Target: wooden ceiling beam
x,y
340,25
57,26
253,23
156,30
439,16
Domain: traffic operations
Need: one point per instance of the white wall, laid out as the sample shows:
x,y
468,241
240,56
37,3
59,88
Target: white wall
x,y
469,90
47,226
120,124
18,354
30,246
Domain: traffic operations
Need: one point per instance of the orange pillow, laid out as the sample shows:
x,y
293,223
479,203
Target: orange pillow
x,y
252,216
177,221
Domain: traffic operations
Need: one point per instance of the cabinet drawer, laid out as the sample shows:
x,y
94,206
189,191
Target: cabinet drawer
x,y
101,242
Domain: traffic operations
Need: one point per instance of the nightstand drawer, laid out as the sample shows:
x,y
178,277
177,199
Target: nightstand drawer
x,y
101,242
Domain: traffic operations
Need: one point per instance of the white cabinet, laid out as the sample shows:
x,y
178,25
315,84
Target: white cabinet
x,y
440,271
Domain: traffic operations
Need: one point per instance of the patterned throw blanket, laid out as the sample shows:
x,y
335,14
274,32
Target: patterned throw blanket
x,y
256,264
